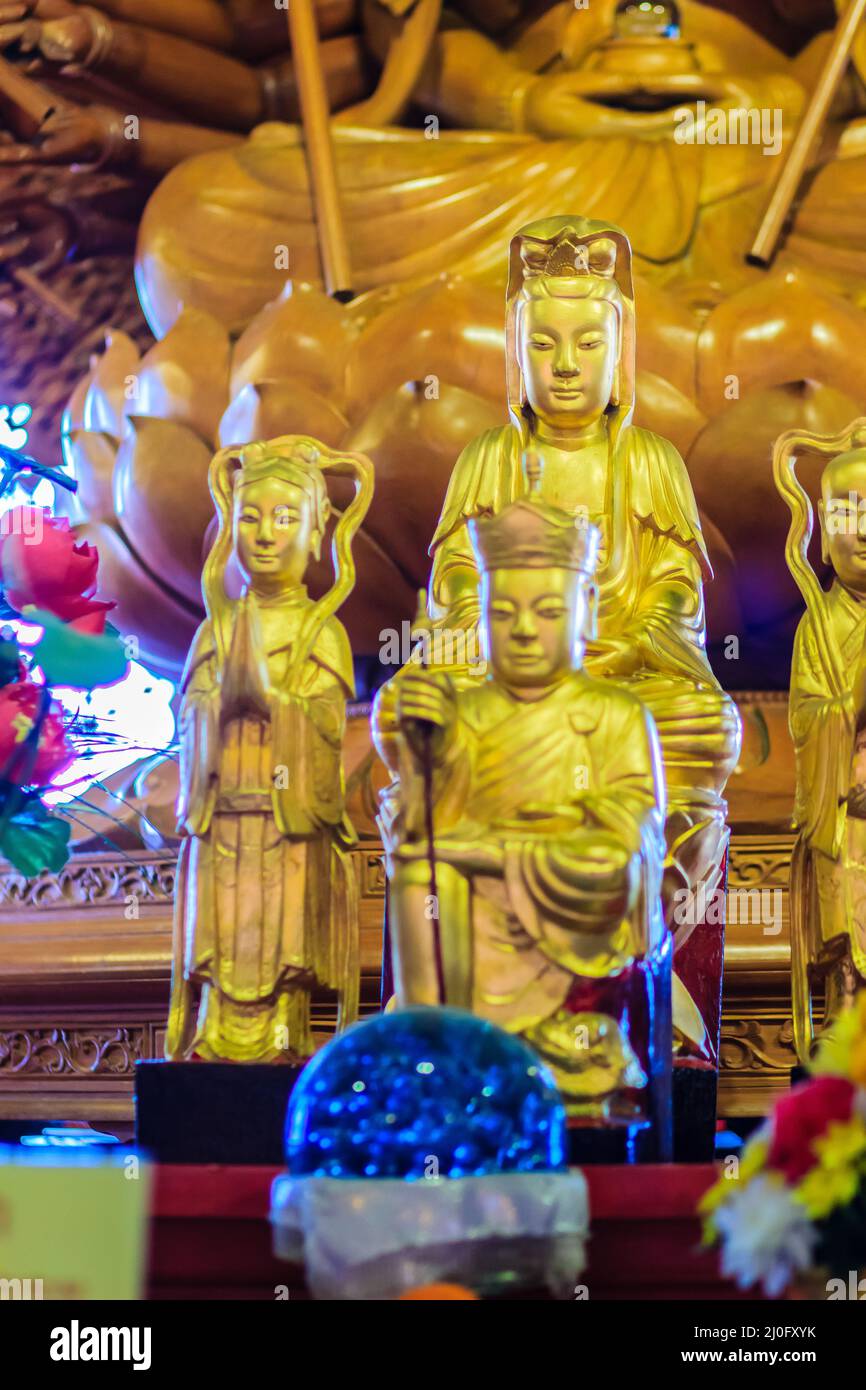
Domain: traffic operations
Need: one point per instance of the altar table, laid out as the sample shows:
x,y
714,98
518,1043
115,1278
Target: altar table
x,y
210,1236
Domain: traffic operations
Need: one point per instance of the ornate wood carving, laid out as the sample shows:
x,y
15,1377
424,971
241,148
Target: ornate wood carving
x,y
71,1051
92,881
93,943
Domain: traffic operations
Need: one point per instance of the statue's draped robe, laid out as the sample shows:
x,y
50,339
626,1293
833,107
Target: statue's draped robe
x,y
266,902
570,788
830,813
415,207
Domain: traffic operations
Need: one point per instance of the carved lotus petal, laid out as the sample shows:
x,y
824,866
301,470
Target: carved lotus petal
x,y
302,336
729,465
665,410
162,501
452,330
73,414
105,403
280,407
91,458
155,792
787,327
413,442
667,336
185,376
163,625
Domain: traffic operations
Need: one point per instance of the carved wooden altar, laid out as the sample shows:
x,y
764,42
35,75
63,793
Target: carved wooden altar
x,y
85,956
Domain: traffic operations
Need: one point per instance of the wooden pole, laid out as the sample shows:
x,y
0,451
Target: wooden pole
x,y
794,167
316,125
28,103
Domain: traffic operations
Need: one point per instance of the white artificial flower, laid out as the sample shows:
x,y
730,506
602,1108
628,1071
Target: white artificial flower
x,y
766,1236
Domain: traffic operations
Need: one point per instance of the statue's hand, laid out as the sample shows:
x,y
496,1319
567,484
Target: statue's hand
x,y
561,105
245,686
425,708
480,857
59,41
61,35
14,11
70,133
553,108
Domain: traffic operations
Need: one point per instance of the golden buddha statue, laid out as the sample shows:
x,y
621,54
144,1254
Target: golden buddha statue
x,y
570,335
575,109
827,719
544,791
266,901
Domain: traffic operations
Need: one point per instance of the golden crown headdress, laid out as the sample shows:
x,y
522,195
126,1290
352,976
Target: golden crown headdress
x,y
528,534
569,256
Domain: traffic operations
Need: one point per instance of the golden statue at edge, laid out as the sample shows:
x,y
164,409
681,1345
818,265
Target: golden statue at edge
x,y
570,342
266,902
548,800
827,720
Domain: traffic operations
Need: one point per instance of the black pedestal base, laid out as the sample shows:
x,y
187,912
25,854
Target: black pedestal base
x,y
625,1144
695,1090
213,1112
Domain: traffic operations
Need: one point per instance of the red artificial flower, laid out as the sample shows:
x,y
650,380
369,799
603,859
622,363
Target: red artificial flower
x,y
41,565
19,706
803,1116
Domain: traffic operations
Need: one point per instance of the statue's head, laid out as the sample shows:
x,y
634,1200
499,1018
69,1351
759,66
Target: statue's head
x,y
842,511
272,506
279,513
538,594
570,326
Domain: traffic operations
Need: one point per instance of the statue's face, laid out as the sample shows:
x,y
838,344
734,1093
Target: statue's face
x,y
843,520
273,531
568,355
535,622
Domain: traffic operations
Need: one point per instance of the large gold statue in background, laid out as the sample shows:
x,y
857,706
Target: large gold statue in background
x,y
570,335
609,108
827,718
547,799
266,902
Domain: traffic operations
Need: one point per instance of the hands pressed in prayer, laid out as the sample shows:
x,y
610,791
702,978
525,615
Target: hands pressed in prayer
x,y
245,684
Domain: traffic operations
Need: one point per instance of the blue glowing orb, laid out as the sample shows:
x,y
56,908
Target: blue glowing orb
x,y
424,1093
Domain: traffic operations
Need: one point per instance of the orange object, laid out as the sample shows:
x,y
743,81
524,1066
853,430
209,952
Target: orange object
x,y
441,1293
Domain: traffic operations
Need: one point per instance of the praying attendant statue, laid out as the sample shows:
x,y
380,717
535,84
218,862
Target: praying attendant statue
x,y
827,719
266,902
570,370
537,904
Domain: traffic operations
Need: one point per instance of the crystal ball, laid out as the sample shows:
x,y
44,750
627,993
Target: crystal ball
x,y
422,1093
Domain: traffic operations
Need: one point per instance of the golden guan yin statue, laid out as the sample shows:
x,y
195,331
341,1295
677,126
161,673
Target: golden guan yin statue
x,y
570,343
266,904
827,720
545,794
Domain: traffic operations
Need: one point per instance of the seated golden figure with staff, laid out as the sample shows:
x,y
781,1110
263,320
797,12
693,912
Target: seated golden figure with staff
x,y
266,903
547,805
